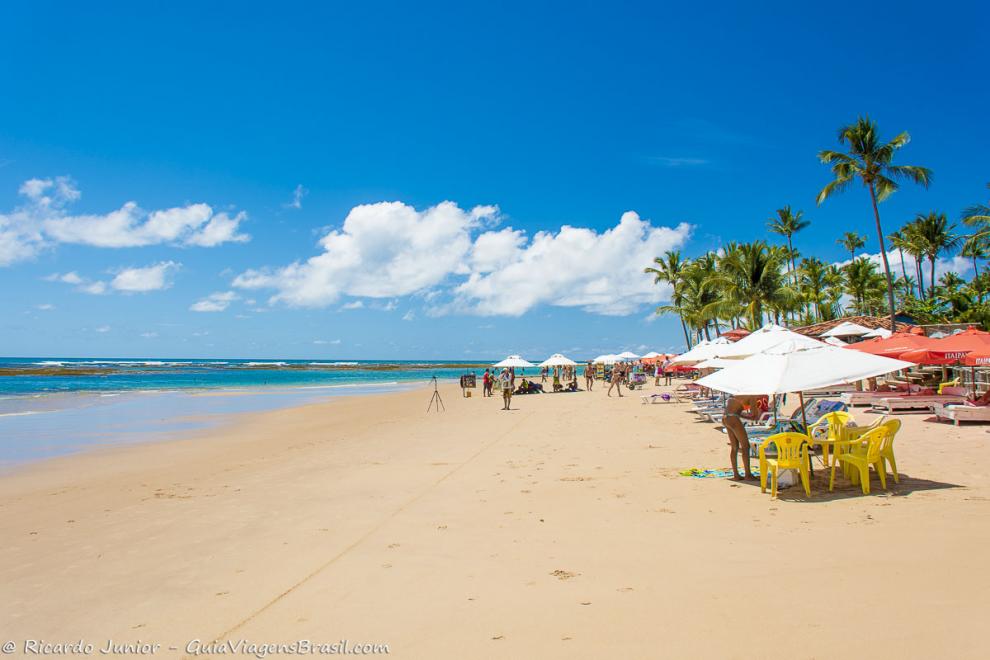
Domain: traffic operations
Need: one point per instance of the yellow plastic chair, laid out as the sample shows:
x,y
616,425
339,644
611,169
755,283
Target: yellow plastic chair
x,y
887,448
955,382
831,426
858,455
792,454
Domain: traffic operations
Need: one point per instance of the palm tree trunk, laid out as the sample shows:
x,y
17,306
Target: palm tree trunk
x,y
903,269
931,290
921,279
687,338
976,269
707,336
883,254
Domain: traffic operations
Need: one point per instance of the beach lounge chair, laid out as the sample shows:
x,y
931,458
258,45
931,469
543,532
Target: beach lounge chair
x,y
915,402
962,412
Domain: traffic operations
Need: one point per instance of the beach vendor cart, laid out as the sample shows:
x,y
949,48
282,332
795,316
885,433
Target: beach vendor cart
x,y
637,379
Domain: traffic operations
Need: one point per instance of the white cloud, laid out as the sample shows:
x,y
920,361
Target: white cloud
x,y
149,335
71,277
382,250
45,307
958,265
575,267
103,329
409,316
390,249
321,342
356,304
43,220
92,287
297,197
678,161
142,280
215,302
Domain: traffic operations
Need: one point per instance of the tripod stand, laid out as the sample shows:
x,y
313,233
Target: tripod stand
x,y
435,399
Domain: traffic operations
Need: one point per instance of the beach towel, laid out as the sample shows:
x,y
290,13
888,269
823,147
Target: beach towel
x,y
698,473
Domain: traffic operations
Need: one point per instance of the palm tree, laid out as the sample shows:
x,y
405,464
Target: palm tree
x,y
864,284
937,238
870,161
786,224
668,269
897,240
852,242
977,214
915,245
974,248
813,283
752,275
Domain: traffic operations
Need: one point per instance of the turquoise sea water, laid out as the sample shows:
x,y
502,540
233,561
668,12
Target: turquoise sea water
x,y
55,406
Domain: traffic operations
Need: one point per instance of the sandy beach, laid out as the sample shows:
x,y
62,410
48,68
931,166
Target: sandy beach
x,y
559,529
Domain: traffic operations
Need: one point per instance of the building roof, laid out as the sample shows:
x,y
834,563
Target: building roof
x,y
871,322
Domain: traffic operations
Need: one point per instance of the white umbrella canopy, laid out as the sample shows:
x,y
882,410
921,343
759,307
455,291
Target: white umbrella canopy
x,y
627,355
834,341
789,367
608,358
514,361
716,363
766,337
846,329
558,360
704,350
878,332
651,355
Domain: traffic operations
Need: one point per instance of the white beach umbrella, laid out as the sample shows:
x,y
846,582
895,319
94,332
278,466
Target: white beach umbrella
x,y
766,337
602,358
651,355
878,332
834,341
716,363
846,329
627,355
704,350
514,361
558,360
792,367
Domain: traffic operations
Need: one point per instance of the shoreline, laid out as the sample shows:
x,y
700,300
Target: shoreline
x,y
58,428
561,528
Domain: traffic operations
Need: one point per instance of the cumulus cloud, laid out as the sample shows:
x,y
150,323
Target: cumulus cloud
x,y
142,280
354,304
958,265
382,250
43,220
215,302
575,267
391,249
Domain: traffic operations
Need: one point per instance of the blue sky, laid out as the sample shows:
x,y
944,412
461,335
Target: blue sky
x,y
558,114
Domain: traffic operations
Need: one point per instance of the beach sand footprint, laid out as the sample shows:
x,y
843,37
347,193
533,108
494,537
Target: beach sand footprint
x,y
564,575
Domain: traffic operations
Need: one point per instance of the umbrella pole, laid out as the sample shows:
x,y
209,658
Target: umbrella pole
x,y
804,419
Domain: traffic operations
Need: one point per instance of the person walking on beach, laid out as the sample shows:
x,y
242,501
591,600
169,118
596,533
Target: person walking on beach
x,y
618,371
668,372
506,380
486,383
737,408
589,376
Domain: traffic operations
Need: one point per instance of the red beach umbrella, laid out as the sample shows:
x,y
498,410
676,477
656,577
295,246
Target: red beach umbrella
x,y
896,344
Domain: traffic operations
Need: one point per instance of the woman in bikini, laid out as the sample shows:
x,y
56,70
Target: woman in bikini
x,y
734,421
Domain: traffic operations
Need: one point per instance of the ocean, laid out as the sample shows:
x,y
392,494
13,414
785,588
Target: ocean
x,y
55,406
